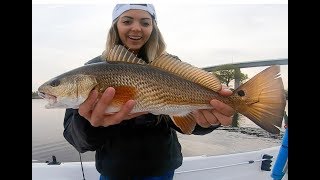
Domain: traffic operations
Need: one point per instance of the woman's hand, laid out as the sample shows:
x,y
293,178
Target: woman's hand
x,y
221,114
93,109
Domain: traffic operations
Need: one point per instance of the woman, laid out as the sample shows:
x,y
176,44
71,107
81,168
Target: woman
x,y
134,146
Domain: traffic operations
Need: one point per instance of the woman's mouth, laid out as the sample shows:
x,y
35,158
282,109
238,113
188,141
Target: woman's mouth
x,y
135,37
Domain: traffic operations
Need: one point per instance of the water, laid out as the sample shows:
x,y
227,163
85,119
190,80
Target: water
x,y
48,140
47,135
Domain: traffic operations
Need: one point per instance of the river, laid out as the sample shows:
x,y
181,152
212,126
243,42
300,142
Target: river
x,y
48,140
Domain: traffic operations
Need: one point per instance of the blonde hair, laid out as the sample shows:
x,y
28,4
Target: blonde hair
x,y
154,47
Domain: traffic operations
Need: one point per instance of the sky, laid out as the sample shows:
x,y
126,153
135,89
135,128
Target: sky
x,y
66,34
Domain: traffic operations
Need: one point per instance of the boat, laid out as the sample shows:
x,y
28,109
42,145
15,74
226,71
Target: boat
x,y
252,165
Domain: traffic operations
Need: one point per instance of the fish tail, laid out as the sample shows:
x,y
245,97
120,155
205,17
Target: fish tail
x,y
263,99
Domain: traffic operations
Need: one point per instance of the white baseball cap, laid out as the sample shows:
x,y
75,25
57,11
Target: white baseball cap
x,y
120,8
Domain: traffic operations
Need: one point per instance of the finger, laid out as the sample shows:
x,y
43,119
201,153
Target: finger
x,y
85,109
105,101
224,120
98,113
121,115
222,107
201,120
210,117
225,91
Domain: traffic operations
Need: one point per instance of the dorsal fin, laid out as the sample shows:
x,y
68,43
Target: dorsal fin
x,y
172,64
121,54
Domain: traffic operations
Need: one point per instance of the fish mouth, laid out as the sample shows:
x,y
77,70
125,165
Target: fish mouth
x,y
50,98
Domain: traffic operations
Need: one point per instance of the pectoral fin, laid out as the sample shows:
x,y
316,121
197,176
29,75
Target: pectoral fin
x,y
185,123
123,94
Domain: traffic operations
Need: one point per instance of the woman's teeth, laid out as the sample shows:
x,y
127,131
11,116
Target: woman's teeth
x,y
135,37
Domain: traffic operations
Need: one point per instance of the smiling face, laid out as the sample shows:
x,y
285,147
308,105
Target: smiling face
x,y
134,28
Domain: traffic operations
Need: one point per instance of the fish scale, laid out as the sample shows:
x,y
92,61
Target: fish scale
x,y
152,95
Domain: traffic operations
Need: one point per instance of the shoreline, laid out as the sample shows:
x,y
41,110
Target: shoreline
x,y
259,132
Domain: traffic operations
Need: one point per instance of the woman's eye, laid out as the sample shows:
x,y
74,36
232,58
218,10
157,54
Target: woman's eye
x,y
145,24
126,22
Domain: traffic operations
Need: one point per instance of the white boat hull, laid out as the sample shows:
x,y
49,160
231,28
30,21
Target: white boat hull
x,y
221,167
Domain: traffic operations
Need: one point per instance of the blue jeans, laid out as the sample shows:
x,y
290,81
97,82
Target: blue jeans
x,y
166,176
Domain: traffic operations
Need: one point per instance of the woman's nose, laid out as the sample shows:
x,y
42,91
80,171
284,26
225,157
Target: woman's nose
x,y
136,27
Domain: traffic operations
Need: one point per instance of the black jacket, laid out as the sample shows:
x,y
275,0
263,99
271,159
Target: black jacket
x,y
141,146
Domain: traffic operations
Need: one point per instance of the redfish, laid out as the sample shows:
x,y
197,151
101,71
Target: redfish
x,y
167,86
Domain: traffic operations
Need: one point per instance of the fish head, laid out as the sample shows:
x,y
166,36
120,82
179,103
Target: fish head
x,y
67,90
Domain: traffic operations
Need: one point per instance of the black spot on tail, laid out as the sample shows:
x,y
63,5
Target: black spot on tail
x,y
241,93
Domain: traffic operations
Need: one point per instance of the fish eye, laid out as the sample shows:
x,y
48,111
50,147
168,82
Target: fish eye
x,y
241,93
55,83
